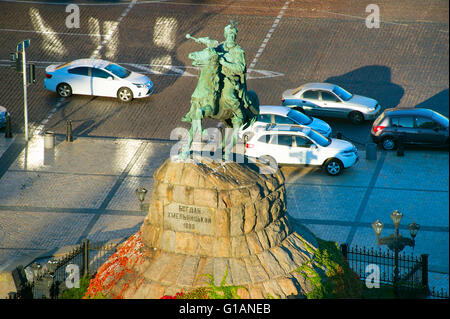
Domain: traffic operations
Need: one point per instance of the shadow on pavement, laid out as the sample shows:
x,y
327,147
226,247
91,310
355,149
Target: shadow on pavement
x,y
373,81
438,103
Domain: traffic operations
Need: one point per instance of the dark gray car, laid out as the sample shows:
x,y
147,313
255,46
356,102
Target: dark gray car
x,y
410,126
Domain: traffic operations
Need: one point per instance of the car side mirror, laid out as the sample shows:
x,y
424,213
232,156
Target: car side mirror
x,y
110,78
313,146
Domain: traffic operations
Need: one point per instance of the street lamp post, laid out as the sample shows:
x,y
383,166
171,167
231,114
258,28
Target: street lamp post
x,y
396,242
141,192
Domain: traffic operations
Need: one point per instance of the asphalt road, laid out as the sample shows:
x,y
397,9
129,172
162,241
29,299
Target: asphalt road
x,y
287,43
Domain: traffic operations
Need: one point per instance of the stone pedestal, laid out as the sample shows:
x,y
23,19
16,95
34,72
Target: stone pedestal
x,y
212,219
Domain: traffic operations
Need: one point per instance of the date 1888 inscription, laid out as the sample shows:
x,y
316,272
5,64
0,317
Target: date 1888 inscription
x,y
195,219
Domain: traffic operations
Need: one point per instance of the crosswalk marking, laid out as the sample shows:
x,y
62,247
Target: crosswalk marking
x,y
172,70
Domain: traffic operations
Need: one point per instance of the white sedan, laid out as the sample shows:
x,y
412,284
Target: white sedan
x,y
269,114
96,77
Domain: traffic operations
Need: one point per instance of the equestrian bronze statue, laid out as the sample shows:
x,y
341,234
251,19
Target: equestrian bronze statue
x,y
221,91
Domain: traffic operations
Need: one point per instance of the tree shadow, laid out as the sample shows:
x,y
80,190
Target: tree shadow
x,y
438,103
373,81
166,76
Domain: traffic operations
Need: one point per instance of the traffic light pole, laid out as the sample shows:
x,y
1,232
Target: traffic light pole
x,y
19,62
25,106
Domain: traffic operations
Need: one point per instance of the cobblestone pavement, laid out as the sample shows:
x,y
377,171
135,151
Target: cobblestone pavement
x,y
403,63
85,189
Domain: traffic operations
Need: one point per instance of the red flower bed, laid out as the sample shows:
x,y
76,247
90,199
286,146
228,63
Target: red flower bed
x,y
178,295
121,262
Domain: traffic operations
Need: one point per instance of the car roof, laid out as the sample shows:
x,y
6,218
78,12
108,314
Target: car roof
x,y
99,63
408,111
316,86
293,128
274,109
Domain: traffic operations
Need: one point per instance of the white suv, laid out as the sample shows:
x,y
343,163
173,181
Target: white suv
x,y
300,145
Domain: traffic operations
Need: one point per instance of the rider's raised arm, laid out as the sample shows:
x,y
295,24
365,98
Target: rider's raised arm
x,y
205,40
209,42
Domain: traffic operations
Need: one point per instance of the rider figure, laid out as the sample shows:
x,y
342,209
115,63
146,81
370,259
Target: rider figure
x,y
234,92
232,59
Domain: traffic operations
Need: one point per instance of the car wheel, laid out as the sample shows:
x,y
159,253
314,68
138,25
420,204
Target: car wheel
x,y
333,167
356,117
64,90
269,164
125,94
388,143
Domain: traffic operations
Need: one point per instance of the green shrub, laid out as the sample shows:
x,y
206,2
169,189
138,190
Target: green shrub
x,y
330,275
77,293
211,291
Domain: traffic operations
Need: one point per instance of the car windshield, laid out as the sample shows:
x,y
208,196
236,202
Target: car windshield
x,y
299,117
441,119
118,70
343,94
319,138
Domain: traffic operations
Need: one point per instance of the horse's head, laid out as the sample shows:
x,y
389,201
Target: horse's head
x,y
207,56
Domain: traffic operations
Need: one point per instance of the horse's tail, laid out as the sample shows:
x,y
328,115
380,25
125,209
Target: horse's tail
x,y
252,111
254,102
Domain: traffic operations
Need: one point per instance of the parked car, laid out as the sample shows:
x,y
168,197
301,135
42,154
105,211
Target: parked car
x,y
3,114
325,99
301,145
410,126
284,115
96,77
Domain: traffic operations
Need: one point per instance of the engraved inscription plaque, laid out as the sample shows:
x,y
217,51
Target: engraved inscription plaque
x,y
194,219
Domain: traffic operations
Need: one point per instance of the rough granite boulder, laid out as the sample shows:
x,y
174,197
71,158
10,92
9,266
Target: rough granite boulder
x,y
211,219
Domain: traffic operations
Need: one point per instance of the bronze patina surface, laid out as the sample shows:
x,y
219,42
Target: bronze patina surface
x,y
221,92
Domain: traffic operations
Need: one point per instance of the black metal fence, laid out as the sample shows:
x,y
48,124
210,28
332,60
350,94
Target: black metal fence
x,y
50,280
377,267
438,293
